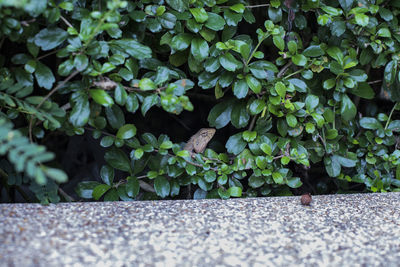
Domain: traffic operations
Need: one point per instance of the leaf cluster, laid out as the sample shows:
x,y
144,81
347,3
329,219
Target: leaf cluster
x,y
308,92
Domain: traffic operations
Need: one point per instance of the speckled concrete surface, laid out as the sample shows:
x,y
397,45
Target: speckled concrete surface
x,y
336,230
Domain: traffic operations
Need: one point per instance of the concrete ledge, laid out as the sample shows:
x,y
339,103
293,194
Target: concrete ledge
x,y
336,230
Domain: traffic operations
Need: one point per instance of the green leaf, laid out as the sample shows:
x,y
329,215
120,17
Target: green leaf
x,y
220,114
370,123
100,190
101,97
253,83
50,38
132,186
229,62
332,166
168,20
300,85
335,53
178,5
280,88
85,189
363,90
181,41
162,186
256,181
235,191
294,182
394,126
146,84
299,60
107,174
256,106
133,48
210,176
80,113
199,14
127,131
235,144
348,110
362,19
81,62
277,177
249,136
313,51
115,116
238,8
263,69
266,148
215,22
291,120
44,76
278,42
118,159
199,49
148,102
312,102
56,174
240,88
132,103
239,116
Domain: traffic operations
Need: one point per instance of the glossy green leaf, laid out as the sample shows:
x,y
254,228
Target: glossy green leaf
x,y
162,186
50,38
127,131
100,190
235,144
101,97
253,83
199,49
199,14
229,62
240,88
370,123
215,22
299,60
44,76
220,114
348,109
313,51
118,159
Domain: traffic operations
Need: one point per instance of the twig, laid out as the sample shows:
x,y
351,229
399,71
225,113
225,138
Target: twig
x,y
254,6
26,22
48,54
373,82
253,121
284,69
47,97
66,22
65,195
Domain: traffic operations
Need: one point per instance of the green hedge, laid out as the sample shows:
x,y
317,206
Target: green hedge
x,y
301,93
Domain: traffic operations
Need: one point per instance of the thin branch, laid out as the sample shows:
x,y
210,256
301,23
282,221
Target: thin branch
x,y
253,121
373,82
48,54
66,22
26,22
284,69
47,97
254,6
65,195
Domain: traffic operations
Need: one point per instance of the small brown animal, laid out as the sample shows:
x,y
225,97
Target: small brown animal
x,y
306,199
198,142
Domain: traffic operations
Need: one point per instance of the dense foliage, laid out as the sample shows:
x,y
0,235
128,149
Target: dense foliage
x,y
303,93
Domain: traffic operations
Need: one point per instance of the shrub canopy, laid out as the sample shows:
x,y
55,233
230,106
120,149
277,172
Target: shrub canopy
x,y
302,94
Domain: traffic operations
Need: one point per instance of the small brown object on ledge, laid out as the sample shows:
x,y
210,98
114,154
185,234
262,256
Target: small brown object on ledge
x,y
306,199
